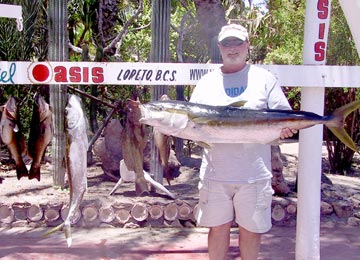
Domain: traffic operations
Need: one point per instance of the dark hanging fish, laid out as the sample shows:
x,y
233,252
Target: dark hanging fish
x,y
41,132
133,142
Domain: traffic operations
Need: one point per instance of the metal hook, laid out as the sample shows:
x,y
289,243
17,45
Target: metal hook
x,y
19,23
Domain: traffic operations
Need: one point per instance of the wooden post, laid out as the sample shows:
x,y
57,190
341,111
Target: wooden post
x,y
58,51
160,52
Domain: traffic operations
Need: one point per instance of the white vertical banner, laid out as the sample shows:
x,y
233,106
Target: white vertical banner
x,y
351,10
310,142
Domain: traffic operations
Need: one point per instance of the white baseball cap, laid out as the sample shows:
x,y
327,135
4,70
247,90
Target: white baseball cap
x,y
233,30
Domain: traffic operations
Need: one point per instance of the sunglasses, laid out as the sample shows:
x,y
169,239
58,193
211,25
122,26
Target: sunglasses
x,y
231,43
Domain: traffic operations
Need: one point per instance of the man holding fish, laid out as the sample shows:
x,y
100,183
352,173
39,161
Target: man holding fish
x,y
235,178
235,175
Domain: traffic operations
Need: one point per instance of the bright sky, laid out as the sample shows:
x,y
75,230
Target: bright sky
x,y
255,2
259,3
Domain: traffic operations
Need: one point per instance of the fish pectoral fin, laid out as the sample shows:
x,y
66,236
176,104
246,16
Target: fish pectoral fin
x,y
199,120
204,145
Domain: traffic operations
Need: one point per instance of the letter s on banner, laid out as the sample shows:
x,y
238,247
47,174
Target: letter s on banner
x,y
316,31
323,9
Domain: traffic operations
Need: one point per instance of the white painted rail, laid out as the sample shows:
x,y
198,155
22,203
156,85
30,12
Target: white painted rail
x,y
12,11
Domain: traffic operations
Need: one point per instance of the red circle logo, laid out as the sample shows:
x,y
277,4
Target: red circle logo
x,y
40,72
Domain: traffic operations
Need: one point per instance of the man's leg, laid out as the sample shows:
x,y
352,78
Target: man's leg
x,y
219,241
249,244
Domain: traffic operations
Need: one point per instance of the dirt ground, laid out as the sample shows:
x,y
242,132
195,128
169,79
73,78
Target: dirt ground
x,y
12,190
184,187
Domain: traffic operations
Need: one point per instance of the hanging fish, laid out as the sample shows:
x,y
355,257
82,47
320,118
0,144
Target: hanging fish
x,y
41,132
12,137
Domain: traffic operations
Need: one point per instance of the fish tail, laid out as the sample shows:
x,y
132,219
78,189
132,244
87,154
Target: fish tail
x,y
34,173
336,124
21,171
53,230
66,227
67,232
157,185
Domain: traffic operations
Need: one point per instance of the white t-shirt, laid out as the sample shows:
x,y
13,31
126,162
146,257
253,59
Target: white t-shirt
x,y
239,163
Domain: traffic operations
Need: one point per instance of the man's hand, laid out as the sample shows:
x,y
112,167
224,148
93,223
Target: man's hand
x,y
287,132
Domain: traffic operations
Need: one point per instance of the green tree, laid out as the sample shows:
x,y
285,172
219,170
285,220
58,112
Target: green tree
x,y
28,45
341,51
280,40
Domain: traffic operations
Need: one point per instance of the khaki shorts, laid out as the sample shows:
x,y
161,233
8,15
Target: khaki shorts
x,y
249,204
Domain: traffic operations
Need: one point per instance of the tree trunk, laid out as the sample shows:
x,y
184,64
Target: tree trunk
x,y
58,51
160,52
106,214
122,216
211,16
156,211
35,213
139,212
171,212
6,214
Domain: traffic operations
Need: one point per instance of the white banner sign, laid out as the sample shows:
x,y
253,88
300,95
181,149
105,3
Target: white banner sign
x,y
11,11
111,73
102,73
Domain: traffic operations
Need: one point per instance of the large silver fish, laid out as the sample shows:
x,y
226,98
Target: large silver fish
x,y
76,161
227,124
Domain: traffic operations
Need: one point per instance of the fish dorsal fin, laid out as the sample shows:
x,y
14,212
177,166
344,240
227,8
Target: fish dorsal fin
x,y
199,120
240,103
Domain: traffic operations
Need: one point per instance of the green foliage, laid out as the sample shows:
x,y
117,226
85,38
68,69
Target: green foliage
x,y
340,156
341,47
137,43
29,44
282,31
277,38
186,32
341,51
